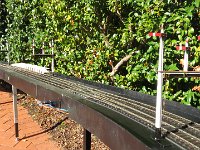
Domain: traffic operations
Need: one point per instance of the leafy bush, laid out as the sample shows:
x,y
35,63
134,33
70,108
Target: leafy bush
x,y
92,36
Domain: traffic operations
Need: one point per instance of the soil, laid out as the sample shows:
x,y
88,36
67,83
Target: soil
x,y
66,132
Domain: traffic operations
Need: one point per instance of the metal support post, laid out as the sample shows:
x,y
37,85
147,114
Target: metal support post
x,y
8,58
186,53
43,48
8,53
86,140
14,90
52,48
33,47
158,120
186,56
185,68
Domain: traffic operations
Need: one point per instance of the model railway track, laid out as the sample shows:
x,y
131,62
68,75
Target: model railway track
x,y
177,129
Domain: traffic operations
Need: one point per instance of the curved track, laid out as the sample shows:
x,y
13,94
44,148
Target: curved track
x,y
181,131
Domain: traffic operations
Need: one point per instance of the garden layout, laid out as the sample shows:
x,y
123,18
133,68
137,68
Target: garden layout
x,y
126,71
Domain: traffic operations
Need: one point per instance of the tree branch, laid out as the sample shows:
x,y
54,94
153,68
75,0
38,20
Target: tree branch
x,y
121,62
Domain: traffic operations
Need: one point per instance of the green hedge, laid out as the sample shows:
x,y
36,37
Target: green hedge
x,y
92,35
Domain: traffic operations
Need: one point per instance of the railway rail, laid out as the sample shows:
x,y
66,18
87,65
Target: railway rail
x,y
178,132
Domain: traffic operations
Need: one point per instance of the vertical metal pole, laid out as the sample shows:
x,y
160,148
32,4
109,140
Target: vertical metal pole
x,y
158,120
33,47
8,53
43,48
52,64
14,90
186,56
86,140
8,57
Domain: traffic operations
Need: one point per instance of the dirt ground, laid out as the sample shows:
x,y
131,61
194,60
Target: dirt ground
x,y
66,132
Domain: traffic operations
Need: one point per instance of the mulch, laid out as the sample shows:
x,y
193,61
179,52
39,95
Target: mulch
x,y
66,132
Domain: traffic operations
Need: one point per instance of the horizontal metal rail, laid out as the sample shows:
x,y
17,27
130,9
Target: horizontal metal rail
x,y
44,55
180,74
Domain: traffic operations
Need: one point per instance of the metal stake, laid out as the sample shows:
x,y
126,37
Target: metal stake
x,y
86,140
14,90
158,120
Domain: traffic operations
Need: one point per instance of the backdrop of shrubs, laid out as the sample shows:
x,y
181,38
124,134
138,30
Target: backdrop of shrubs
x,y
91,36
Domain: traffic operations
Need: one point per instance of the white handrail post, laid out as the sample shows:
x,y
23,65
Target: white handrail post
x,y
52,48
33,46
158,120
42,47
15,110
8,53
185,68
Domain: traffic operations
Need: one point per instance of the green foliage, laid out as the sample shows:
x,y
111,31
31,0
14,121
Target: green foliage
x,y
3,25
89,34
2,17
